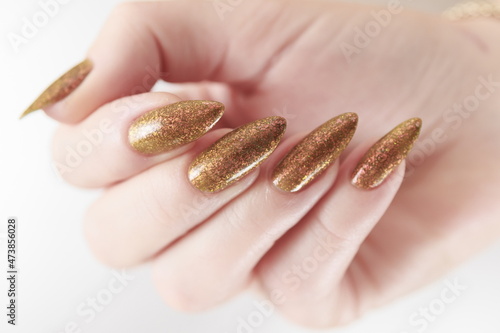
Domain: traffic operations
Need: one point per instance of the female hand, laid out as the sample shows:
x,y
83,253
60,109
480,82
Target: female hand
x,y
330,252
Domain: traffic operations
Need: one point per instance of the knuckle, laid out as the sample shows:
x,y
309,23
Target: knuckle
x,y
178,293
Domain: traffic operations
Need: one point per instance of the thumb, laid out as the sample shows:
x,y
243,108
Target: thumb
x,y
178,41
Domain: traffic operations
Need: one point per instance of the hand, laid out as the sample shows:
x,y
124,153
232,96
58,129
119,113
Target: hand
x,y
332,250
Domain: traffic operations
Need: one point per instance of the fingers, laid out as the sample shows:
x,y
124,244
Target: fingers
x,y
130,135
135,219
308,266
162,197
214,261
236,227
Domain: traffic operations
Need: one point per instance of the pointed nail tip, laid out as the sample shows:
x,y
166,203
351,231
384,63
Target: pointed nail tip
x,y
276,122
415,126
347,121
86,63
283,123
24,114
417,122
349,126
353,121
276,119
27,112
220,109
351,116
217,109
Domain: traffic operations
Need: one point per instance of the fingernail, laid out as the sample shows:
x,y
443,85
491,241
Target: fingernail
x,y
311,156
385,155
174,125
62,87
236,154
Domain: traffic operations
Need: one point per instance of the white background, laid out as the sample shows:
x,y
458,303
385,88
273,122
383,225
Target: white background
x,y
57,272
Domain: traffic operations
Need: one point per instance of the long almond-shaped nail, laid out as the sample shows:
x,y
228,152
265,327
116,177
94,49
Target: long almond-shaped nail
x,y
385,155
311,156
61,87
174,125
236,154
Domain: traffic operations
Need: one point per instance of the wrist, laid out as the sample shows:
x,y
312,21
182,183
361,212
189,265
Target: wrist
x,y
476,40
480,20
480,38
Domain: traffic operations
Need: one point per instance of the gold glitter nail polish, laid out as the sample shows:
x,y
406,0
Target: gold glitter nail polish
x,y
385,155
62,87
236,154
174,125
311,156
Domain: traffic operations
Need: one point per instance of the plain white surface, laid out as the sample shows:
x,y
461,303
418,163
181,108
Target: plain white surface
x,y
58,276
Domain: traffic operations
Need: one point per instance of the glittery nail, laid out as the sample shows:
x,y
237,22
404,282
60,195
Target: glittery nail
x,y
236,154
311,156
62,87
174,125
385,155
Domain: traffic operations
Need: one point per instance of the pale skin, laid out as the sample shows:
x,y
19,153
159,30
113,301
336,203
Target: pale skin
x,y
283,58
